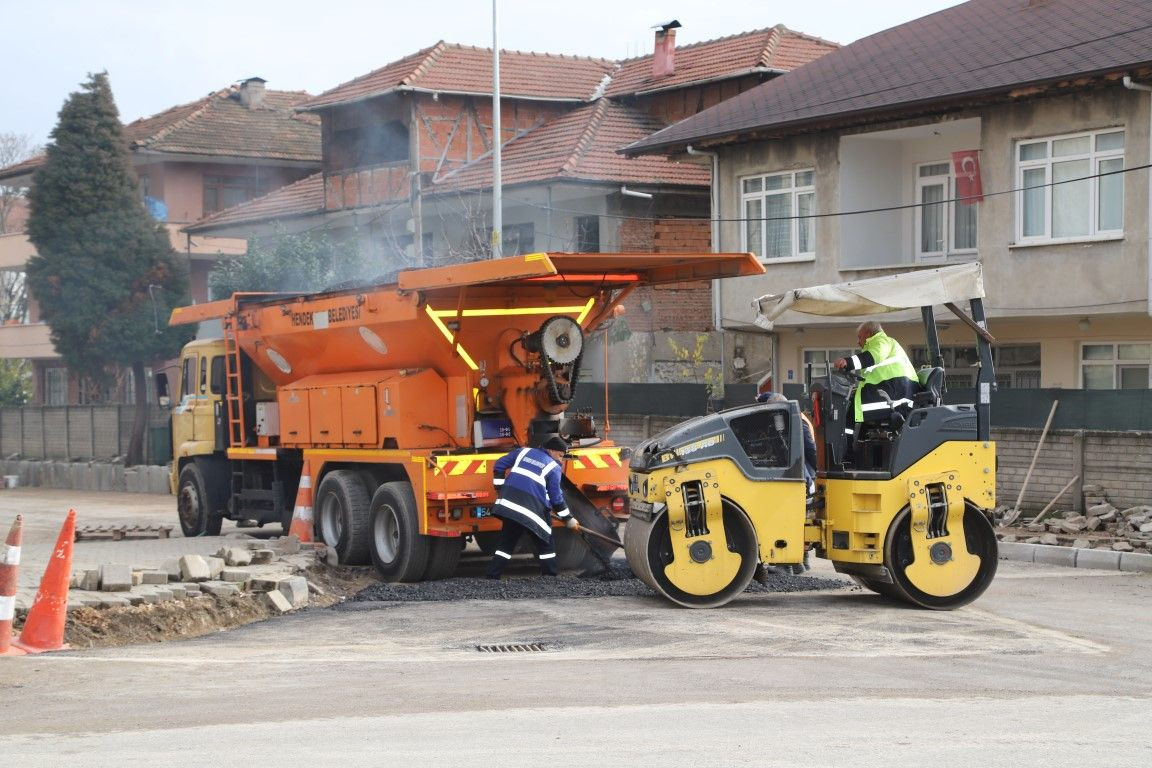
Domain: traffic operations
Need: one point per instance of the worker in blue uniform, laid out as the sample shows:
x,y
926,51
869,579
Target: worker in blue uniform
x,y
528,482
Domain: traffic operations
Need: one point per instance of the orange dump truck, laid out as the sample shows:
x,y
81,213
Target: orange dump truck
x,y
374,413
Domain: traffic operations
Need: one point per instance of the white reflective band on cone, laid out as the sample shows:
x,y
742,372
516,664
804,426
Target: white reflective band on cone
x,y
11,555
302,513
7,607
305,481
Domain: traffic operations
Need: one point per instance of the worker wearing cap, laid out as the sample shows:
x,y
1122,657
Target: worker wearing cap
x,y
528,482
888,379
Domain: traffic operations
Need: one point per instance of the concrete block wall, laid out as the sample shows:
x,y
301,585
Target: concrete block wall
x,y
1118,462
88,476
95,432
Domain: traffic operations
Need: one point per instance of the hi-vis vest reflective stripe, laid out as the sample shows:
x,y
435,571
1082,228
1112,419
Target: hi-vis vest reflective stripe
x,y
892,363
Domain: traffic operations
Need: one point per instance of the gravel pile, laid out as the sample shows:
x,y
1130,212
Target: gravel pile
x,y
617,582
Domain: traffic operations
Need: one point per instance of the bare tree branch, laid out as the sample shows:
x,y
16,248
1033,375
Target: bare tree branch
x,y
14,148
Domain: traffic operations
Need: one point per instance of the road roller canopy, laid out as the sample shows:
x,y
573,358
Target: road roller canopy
x,y
876,295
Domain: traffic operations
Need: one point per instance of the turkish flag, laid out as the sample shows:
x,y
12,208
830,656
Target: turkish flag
x,y
966,167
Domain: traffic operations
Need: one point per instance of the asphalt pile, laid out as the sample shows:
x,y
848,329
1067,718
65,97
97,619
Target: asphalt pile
x,y
618,581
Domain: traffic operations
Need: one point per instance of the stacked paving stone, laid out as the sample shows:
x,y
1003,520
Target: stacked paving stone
x,y
263,570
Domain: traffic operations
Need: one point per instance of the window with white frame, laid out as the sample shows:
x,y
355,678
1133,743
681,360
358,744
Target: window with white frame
x,y
1062,192
942,228
774,207
1122,365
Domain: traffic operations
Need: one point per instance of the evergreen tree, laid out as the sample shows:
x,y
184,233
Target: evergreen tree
x,y
105,274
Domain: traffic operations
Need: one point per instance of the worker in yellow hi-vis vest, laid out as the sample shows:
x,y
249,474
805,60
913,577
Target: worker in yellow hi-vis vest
x,y
887,384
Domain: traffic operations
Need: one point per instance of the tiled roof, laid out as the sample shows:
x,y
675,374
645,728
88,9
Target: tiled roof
x,y
301,198
579,146
773,50
219,125
980,48
451,68
22,168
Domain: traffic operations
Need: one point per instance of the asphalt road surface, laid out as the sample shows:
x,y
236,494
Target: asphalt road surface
x,y
1050,667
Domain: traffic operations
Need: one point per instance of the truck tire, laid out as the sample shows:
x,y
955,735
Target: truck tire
x,y
443,557
342,506
399,551
200,498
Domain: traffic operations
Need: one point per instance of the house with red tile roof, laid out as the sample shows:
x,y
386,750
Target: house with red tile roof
x,y
1007,132
408,158
193,160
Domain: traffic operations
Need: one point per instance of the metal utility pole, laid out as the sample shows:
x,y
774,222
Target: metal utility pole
x,y
497,192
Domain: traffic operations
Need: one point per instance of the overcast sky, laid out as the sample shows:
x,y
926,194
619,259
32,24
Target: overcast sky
x,y
161,53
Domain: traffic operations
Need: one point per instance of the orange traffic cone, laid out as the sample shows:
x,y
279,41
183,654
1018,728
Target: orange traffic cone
x,y
302,515
9,569
44,627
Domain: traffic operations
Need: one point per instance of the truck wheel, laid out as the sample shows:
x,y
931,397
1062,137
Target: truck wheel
x,y
342,515
399,551
443,557
199,499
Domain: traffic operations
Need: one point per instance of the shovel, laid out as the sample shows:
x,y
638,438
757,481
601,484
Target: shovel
x,y
585,533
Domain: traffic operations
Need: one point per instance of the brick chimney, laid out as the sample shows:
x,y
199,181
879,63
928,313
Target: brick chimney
x,y
252,92
664,55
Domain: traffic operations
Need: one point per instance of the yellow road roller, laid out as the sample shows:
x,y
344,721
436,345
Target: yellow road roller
x,y
715,496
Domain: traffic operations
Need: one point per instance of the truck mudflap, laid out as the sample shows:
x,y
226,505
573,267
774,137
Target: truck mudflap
x,y
601,475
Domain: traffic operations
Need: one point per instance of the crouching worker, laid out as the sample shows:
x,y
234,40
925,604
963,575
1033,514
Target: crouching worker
x,y
528,482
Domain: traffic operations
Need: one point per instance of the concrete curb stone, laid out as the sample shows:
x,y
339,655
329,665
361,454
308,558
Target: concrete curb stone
x,y
1051,555
1018,551
1135,561
1076,558
1098,558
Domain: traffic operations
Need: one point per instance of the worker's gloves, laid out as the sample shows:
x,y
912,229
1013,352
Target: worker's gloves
x,y
572,524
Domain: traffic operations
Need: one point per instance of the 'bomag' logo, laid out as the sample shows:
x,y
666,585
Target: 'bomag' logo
x,y
693,447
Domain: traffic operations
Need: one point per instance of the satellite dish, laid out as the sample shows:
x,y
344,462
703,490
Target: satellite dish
x,y
561,339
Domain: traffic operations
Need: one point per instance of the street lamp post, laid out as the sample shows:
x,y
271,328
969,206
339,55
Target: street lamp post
x,y
497,192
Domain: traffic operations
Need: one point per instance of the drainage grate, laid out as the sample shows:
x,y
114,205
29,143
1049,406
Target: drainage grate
x,y
514,648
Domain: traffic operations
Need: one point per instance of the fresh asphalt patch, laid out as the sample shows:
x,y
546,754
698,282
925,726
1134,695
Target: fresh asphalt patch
x,y
617,582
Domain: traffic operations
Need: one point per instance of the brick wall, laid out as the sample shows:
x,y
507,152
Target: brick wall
x,y
678,306
1118,462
